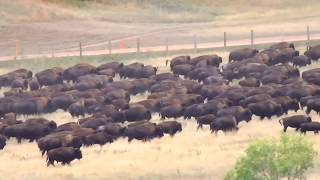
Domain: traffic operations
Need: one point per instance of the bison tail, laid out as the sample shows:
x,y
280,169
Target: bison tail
x,y
280,121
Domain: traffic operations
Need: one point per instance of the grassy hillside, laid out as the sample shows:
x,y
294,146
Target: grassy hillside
x,y
157,10
195,10
61,24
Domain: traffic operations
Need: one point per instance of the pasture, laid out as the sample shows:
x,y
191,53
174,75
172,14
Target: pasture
x,y
190,154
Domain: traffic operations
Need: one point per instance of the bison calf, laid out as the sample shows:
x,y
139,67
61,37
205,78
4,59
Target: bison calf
x,y
294,121
225,123
206,119
170,127
64,155
310,126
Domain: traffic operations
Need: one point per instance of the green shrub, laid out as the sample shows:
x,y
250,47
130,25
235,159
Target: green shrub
x,y
74,3
272,160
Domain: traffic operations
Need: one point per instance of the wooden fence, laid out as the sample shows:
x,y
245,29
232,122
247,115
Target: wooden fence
x,y
166,47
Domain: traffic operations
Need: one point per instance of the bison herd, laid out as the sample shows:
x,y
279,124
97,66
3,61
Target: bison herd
x,y
263,83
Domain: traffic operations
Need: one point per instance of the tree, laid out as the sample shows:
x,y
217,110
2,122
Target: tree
x,y
289,158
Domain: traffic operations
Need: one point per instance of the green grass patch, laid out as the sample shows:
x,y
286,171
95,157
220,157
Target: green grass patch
x,y
73,3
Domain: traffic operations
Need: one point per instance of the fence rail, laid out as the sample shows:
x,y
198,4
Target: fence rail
x,y
108,47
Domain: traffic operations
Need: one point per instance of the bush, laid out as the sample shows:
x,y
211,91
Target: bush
x,y
272,160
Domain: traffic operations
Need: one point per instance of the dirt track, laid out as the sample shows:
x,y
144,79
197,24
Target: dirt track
x,y
75,52
61,38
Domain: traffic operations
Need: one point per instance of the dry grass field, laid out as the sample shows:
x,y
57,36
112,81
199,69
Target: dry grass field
x,y
191,154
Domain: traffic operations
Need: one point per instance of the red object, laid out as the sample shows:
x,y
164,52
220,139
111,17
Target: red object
x,y
122,44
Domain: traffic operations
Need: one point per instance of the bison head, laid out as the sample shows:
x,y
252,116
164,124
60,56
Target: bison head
x,y
78,154
295,105
159,131
76,142
247,114
291,45
309,119
148,115
52,125
307,53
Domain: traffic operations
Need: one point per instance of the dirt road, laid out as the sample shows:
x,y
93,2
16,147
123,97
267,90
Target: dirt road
x,y
218,44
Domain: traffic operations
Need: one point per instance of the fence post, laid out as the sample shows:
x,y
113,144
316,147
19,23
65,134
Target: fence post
x,y
80,48
308,38
109,46
224,39
138,45
195,45
252,36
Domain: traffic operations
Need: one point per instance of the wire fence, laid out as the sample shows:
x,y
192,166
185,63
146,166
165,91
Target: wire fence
x,y
20,50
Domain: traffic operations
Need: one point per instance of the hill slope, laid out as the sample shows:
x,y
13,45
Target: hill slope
x,y
43,25
155,10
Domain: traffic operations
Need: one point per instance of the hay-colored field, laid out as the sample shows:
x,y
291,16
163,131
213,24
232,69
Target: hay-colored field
x,y
191,154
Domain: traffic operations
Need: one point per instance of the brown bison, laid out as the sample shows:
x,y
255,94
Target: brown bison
x,y
313,52
50,76
282,45
72,73
143,131
205,120
224,123
170,127
301,60
240,54
64,155
31,129
57,140
100,138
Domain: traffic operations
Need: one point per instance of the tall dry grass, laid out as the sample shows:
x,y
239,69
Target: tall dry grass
x,y
191,154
